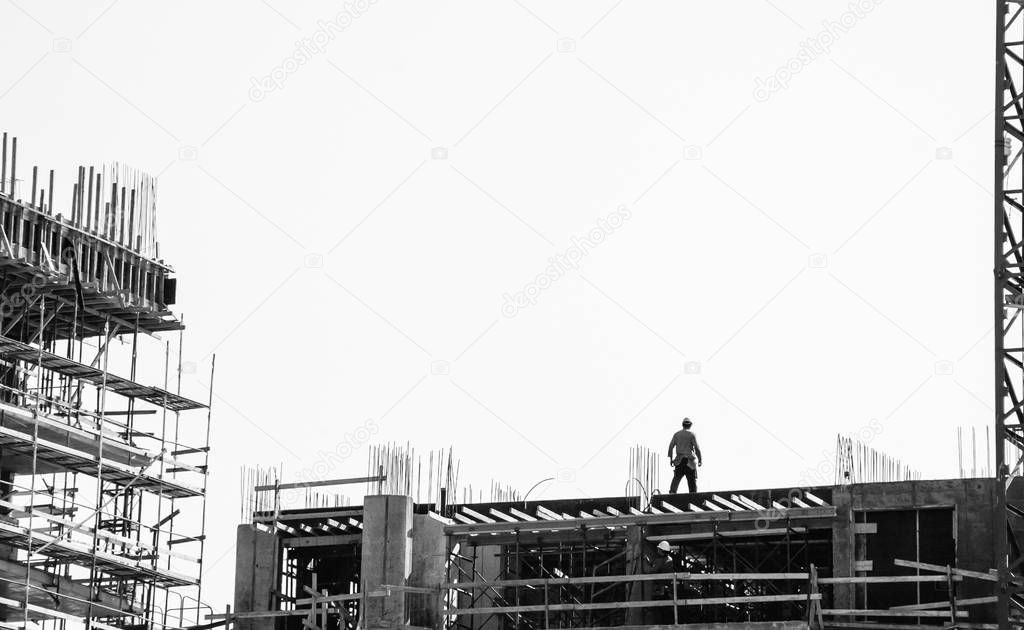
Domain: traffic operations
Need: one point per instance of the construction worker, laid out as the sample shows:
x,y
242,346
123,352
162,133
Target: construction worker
x,y
661,590
684,455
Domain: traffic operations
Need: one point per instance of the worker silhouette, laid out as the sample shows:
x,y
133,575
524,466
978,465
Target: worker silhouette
x,y
684,454
661,562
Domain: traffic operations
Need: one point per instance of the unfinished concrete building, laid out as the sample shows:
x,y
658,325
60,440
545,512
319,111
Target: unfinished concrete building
x,y
893,554
102,459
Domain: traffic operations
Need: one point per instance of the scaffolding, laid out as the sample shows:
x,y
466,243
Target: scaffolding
x,y
102,477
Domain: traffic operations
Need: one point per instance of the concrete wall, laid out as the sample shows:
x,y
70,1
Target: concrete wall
x,y
973,501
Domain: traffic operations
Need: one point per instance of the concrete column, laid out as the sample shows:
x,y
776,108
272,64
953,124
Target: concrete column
x,y
429,553
257,570
844,548
489,565
635,566
387,558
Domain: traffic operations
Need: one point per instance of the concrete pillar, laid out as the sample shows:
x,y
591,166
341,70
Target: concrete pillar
x,y
489,566
635,566
387,558
429,553
844,548
257,569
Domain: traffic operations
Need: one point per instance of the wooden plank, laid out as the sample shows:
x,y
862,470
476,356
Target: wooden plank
x,y
740,625
924,566
521,515
814,499
836,612
649,519
610,579
269,614
727,534
970,601
322,541
503,516
739,498
544,513
317,484
327,599
883,579
871,625
865,528
385,590
437,517
706,601
303,516
727,503
462,518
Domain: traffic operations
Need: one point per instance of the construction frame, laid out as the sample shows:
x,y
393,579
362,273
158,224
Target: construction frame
x,y
102,477
907,554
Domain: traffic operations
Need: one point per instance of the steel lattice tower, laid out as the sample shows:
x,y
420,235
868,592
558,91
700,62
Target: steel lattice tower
x,y
1009,288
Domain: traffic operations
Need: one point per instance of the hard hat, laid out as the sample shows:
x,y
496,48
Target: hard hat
x,y
687,422
664,546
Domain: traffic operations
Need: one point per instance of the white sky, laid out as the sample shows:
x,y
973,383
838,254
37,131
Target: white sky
x,y
331,257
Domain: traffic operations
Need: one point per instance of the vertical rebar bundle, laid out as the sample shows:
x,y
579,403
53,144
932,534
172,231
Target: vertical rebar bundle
x,y
644,477
114,202
974,459
403,472
857,462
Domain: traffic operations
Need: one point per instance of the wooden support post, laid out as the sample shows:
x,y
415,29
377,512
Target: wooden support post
x,y
675,599
96,210
323,610
3,165
547,612
810,602
952,594
816,598
88,206
310,622
14,167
